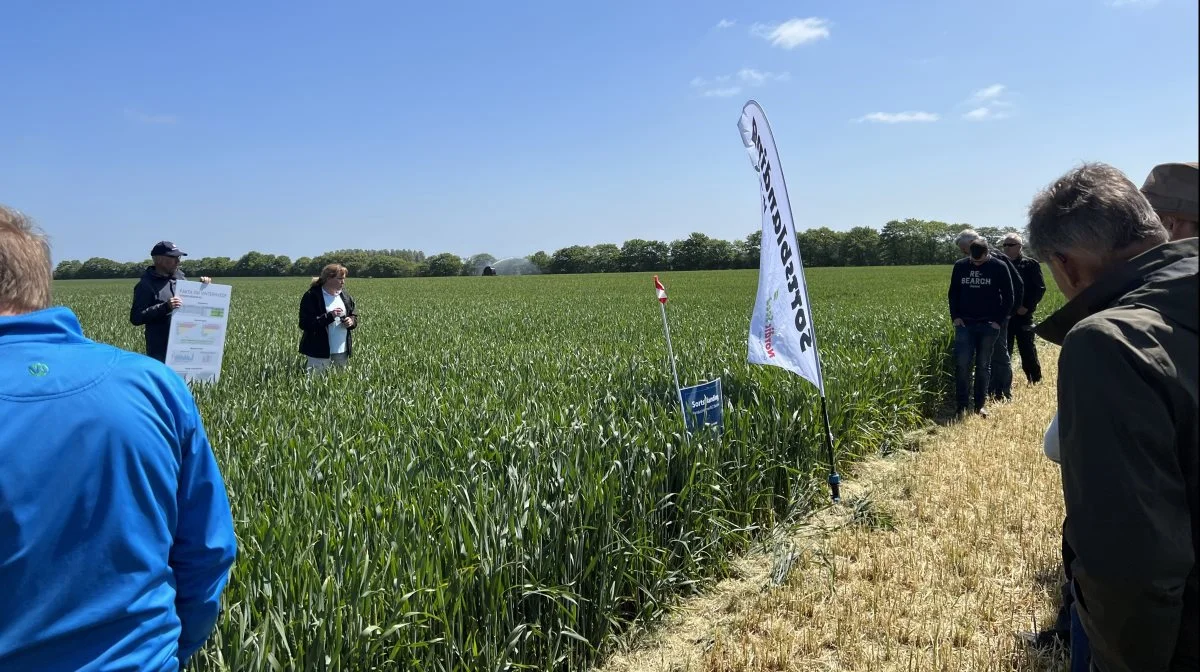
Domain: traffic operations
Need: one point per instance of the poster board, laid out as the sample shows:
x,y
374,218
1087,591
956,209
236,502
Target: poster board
x,y
196,345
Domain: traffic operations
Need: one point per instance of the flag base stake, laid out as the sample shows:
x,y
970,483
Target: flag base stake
x,y
835,479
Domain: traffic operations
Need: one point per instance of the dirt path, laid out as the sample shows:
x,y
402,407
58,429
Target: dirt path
x,y
935,560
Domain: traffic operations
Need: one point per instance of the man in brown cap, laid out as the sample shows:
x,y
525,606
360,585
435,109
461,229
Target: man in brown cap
x,y
1173,190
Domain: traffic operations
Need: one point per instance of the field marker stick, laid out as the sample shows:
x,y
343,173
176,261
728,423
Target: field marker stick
x,y
674,374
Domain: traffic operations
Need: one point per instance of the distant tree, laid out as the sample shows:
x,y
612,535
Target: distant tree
x,y
820,246
638,255
721,254
387,266
694,253
67,270
606,258
573,259
860,247
749,250
442,265
99,267
541,260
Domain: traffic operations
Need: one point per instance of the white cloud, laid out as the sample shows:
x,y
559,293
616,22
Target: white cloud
x,y
986,113
152,119
757,78
700,82
725,23
988,93
899,117
723,93
720,86
990,102
792,33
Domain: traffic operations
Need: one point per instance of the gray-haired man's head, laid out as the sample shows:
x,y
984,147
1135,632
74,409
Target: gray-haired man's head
x,y
964,240
1087,220
1012,245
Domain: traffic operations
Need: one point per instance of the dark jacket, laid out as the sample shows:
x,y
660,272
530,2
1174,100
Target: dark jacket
x,y
1014,276
1128,433
1034,282
152,308
980,294
315,321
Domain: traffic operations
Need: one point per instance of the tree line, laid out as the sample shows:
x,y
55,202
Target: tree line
x,y
905,242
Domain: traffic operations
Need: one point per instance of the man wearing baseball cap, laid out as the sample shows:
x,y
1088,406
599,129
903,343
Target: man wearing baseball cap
x,y
154,297
1173,190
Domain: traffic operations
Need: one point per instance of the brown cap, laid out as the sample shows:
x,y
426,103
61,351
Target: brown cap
x,y
1174,189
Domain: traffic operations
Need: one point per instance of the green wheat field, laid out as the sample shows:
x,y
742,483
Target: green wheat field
x,y
499,480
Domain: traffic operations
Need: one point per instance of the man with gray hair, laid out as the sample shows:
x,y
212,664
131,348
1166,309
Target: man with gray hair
x,y
1173,190
1020,327
1128,417
1000,377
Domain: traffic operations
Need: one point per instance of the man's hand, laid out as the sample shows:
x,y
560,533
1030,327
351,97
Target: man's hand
x,y
995,325
958,322
349,321
336,312
205,279
176,302
1022,310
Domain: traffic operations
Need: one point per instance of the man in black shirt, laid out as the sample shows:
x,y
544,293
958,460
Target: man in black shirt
x,y
1020,328
981,299
154,298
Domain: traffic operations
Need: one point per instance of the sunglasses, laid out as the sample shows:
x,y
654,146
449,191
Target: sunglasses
x,y
1012,244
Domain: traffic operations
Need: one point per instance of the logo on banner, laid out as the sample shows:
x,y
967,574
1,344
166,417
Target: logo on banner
x,y
703,405
769,329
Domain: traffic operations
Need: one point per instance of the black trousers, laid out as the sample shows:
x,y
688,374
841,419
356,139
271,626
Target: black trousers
x,y
1062,623
1020,329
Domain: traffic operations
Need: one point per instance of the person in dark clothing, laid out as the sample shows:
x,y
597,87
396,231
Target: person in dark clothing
x,y
981,298
1000,378
1129,417
327,320
1020,327
154,297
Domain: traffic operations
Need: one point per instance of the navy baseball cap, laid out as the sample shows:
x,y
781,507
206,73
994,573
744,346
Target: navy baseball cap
x,y
166,248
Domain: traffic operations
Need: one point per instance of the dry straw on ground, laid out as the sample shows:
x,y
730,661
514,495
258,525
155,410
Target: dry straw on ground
x,y
937,559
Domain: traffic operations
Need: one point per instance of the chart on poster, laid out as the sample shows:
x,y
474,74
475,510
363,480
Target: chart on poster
x,y
197,341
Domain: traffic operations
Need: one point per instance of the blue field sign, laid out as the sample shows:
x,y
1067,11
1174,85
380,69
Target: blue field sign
x,y
703,406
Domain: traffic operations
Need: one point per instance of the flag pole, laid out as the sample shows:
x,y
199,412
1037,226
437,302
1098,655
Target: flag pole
x,y
662,304
674,374
835,479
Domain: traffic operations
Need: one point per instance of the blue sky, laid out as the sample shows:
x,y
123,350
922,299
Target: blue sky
x,y
299,127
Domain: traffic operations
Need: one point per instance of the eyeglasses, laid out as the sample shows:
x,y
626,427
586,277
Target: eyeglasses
x,y
1012,244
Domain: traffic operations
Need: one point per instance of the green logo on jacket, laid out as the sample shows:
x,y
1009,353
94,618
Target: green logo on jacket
x,y
38,369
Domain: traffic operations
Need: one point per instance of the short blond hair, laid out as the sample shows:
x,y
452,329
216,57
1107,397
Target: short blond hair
x,y
25,274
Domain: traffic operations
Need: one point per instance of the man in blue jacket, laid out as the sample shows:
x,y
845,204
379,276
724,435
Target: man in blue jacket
x,y
116,537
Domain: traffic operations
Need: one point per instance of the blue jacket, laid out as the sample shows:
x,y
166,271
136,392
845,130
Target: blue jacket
x,y
116,537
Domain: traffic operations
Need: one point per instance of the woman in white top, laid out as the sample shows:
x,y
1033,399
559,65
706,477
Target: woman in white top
x,y
327,320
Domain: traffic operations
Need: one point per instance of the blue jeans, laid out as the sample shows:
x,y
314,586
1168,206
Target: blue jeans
x,y
1000,383
1081,653
973,343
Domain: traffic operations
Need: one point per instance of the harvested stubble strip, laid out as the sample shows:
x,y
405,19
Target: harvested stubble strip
x,y
938,558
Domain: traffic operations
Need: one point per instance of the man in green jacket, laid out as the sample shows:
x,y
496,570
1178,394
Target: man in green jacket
x,y
1128,409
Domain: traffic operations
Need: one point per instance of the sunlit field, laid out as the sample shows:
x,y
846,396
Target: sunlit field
x,y
499,479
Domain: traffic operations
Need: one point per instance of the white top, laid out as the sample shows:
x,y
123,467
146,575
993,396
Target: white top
x,y
337,330
1050,442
